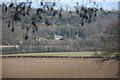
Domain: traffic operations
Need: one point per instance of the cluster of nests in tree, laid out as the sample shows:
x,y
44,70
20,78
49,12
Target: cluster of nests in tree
x,y
22,9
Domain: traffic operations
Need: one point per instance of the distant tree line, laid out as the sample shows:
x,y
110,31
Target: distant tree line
x,y
67,45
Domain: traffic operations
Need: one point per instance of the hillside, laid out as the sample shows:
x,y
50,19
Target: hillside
x,y
76,36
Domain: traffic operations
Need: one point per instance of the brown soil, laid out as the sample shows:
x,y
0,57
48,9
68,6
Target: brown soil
x,y
58,68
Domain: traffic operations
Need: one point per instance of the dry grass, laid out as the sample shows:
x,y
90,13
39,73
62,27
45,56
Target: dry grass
x,y
9,46
70,54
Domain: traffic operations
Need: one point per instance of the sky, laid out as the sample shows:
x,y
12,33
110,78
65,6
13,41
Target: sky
x,y
105,4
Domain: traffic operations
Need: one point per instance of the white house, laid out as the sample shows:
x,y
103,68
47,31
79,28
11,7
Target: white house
x,y
56,37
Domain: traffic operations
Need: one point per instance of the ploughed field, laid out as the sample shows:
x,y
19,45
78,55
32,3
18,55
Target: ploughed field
x,y
58,68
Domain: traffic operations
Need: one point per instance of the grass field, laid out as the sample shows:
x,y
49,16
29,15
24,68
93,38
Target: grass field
x,y
68,54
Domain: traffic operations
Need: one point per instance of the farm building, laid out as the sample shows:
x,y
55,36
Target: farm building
x,y
56,37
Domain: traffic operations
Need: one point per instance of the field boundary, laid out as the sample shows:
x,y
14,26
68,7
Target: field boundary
x,y
48,57
53,55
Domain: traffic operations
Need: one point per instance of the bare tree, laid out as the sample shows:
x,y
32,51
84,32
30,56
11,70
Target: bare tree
x,y
110,42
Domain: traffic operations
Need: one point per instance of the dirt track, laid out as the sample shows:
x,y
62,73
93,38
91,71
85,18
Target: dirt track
x,y
58,68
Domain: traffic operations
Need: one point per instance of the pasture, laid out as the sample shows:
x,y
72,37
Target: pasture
x,y
52,54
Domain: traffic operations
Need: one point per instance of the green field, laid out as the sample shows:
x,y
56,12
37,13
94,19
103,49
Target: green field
x,y
68,54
